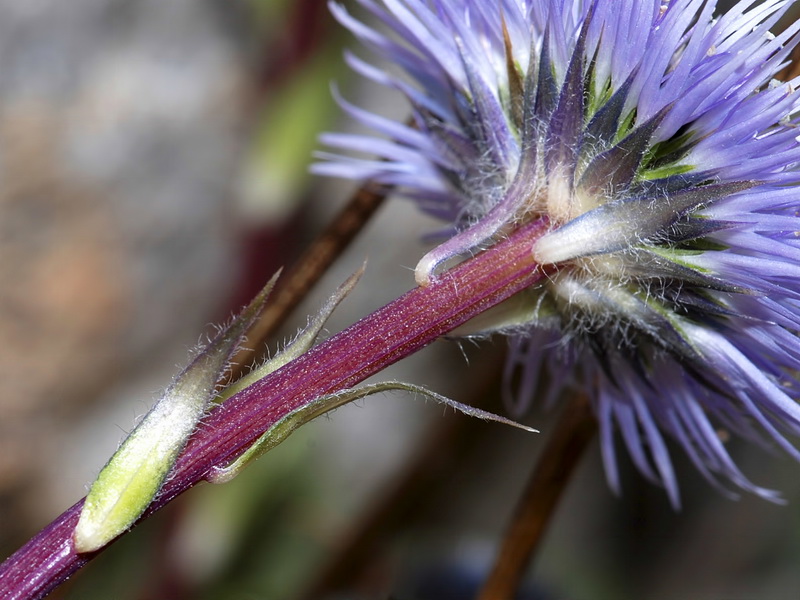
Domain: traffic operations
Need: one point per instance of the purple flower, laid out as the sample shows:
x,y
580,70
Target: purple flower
x,y
653,139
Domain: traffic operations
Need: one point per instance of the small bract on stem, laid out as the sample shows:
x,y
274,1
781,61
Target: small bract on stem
x,y
132,477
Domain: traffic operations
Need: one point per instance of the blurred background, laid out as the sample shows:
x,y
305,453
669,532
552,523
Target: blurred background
x,y
153,174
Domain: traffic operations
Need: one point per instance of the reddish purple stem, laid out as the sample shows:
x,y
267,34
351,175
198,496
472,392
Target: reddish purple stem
x,y
393,332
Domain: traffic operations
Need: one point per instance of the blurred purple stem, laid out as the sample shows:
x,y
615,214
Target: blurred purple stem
x,y
393,332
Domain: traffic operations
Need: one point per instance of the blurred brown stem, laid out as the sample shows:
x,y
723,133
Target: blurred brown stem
x,y
293,287
536,507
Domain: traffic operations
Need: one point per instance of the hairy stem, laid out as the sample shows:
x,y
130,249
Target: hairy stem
x,y
397,330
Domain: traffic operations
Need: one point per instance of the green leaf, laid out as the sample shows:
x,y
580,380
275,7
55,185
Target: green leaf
x,y
134,474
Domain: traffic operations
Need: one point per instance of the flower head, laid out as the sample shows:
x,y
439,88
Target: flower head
x,y
654,141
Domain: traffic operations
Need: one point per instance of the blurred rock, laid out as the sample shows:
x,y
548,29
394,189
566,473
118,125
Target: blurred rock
x,y
120,131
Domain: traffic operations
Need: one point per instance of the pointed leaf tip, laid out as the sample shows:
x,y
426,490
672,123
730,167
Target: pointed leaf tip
x,y
290,422
134,474
304,340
